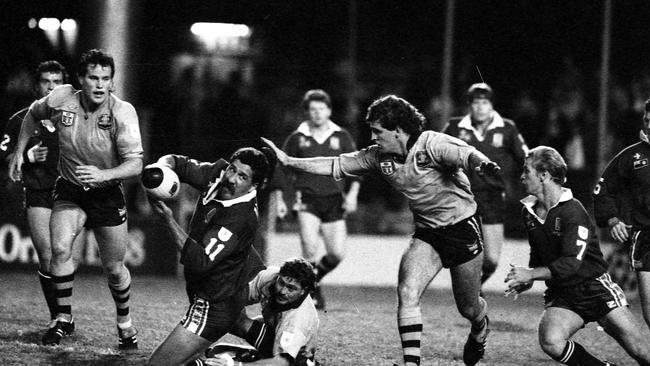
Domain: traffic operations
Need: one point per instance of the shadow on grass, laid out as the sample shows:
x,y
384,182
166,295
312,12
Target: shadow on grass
x,y
76,358
31,337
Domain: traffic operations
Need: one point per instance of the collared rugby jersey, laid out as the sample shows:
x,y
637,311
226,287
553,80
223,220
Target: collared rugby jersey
x,y
501,142
38,175
431,177
623,190
302,144
565,241
295,329
216,253
103,138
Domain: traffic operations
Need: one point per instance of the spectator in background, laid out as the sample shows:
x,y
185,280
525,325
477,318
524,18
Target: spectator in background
x,y
321,203
499,139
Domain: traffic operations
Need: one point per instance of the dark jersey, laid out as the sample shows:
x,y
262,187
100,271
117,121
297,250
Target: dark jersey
x,y
39,175
501,142
301,144
623,190
565,242
216,254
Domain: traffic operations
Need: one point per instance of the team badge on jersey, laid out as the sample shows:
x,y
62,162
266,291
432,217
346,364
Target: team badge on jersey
x,y
105,122
465,135
638,162
48,125
387,167
67,118
557,227
304,142
497,140
422,159
335,143
224,234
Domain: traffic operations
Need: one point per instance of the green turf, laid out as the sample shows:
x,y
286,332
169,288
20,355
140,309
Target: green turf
x,y
359,327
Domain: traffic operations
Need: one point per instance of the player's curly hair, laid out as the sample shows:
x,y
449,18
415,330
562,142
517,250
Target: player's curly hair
x,y
392,111
547,159
259,162
51,66
95,57
316,95
300,270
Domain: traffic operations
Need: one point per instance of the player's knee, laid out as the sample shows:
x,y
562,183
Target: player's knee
x,y
60,253
408,295
117,273
552,345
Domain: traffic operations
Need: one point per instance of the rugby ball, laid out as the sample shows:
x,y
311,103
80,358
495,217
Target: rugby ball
x,y
160,182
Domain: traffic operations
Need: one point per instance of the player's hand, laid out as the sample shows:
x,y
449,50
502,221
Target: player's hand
x,y
221,360
37,153
350,204
620,232
281,208
515,291
15,167
91,175
519,279
160,208
281,155
488,167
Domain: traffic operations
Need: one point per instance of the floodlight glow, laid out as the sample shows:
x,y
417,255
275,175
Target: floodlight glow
x,y
68,25
49,24
32,23
220,30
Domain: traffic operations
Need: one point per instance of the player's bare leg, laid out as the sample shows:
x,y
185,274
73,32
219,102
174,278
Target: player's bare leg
x,y
420,264
66,223
622,326
556,328
492,244
643,280
40,234
310,226
112,242
334,234
180,347
465,280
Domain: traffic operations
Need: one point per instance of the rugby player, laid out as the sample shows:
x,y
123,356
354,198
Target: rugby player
x,y
286,334
217,251
427,167
100,145
565,253
39,175
499,139
622,204
321,202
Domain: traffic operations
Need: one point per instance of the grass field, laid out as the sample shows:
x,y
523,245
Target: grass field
x,y
359,327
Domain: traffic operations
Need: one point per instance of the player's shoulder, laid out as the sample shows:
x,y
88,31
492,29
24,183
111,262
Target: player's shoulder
x,y
121,107
61,95
509,123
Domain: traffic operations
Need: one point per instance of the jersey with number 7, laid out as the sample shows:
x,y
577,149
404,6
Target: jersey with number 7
x,y
565,241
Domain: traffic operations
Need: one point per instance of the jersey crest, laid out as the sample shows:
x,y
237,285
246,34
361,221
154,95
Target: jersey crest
x,y
422,159
557,227
304,142
640,161
497,140
105,122
224,234
465,135
387,167
335,143
67,118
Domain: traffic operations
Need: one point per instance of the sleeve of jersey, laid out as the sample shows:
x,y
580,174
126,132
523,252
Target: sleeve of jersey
x,y
8,144
196,173
449,151
127,134
354,164
574,245
217,244
349,146
289,342
606,191
257,284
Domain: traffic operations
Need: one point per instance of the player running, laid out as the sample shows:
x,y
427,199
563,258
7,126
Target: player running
x,y
427,167
565,253
99,146
217,251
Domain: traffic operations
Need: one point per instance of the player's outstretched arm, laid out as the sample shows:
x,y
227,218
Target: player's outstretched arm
x,y
319,165
482,164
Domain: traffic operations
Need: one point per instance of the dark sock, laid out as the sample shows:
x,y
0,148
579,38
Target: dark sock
x,y
49,291
575,355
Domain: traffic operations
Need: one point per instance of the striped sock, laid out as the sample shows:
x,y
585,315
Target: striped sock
x,y
63,286
49,291
575,355
409,323
121,291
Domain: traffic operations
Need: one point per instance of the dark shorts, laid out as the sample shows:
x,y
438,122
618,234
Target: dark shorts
x,y
103,206
640,250
491,206
456,244
591,300
326,208
38,198
211,320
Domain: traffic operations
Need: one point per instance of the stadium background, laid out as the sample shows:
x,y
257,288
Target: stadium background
x,y
204,97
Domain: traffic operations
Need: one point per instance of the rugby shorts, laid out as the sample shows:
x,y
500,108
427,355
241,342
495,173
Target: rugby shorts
x,y
640,250
591,299
491,206
209,319
326,208
103,206
456,244
38,198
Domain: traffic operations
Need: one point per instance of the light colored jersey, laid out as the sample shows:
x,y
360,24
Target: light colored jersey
x,y
295,329
103,138
431,177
